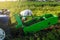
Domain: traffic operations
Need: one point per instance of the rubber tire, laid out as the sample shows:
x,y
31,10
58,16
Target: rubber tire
x,y
7,32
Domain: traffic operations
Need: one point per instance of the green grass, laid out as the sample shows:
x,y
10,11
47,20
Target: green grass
x,y
29,3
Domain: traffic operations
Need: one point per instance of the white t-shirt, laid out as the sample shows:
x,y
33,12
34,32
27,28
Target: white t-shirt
x,y
25,13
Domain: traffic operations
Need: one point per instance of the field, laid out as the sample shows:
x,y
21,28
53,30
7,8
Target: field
x,y
16,7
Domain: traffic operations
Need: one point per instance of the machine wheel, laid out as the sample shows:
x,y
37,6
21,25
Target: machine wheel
x,y
2,34
5,33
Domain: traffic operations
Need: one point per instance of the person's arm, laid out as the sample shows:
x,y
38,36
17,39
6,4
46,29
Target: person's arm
x,y
30,13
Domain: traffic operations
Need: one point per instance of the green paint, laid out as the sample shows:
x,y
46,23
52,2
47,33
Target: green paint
x,y
19,22
41,24
37,24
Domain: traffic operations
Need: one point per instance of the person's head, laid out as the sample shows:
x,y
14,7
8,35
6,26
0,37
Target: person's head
x,y
23,19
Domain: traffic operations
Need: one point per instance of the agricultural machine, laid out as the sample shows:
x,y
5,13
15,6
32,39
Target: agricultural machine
x,y
32,26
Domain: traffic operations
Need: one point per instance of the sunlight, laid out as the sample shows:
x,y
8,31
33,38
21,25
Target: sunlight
x,y
8,0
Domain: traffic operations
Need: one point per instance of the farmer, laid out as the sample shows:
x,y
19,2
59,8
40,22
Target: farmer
x,y
5,11
4,17
25,13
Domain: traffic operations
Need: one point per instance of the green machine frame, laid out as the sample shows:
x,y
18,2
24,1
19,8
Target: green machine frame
x,y
36,24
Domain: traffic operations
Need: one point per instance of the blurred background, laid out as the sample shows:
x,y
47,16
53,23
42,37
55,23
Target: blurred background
x,y
38,7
